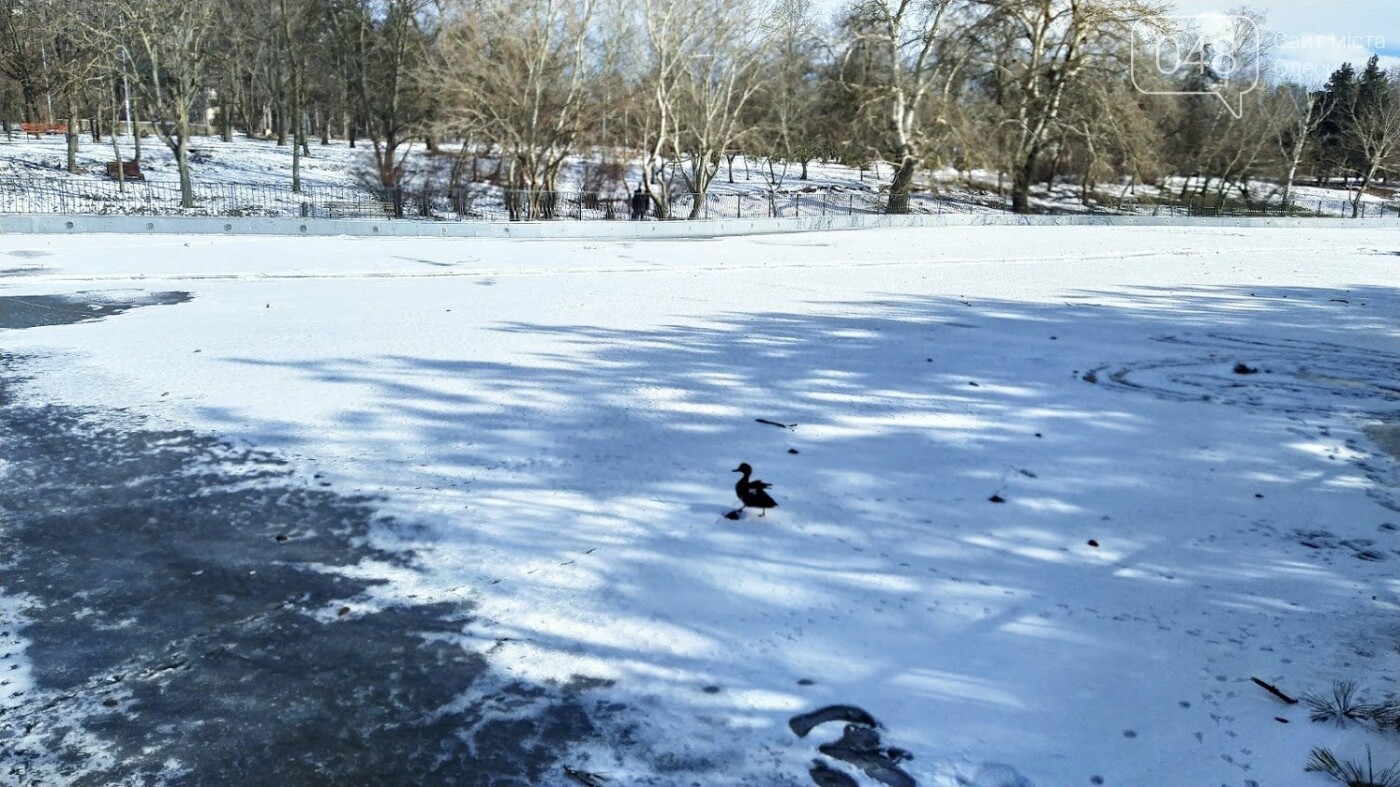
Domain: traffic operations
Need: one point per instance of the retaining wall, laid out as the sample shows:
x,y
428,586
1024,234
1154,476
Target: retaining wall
x,y
215,225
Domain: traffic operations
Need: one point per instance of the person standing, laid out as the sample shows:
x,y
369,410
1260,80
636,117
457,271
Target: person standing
x,y
641,201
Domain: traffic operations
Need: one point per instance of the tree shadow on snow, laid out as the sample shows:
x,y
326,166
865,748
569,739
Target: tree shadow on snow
x,y
605,463
909,415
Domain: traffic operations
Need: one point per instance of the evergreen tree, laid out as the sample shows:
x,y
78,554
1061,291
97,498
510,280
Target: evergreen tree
x,y
1335,150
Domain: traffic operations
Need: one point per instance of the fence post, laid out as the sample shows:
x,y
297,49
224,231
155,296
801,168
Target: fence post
x,y
851,205
738,206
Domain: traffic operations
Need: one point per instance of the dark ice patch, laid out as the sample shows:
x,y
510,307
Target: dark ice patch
x,y
31,311
166,624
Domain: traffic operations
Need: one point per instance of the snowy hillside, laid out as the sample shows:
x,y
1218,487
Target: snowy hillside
x,y
253,177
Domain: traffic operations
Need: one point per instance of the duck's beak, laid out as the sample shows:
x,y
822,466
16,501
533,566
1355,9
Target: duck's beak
x,y
736,470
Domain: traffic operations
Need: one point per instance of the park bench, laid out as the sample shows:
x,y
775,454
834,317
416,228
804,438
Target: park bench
x,y
128,170
347,209
39,129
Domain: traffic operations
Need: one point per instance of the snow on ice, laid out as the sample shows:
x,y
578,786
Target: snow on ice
x,y
549,428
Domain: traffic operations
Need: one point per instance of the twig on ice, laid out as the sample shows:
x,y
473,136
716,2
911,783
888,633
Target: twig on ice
x,y
1274,691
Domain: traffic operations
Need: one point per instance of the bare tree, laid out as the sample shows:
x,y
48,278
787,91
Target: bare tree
x,y
21,56
903,57
296,28
1299,118
1375,131
1041,48
1108,133
515,72
384,44
784,111
702,76
72,62
165,44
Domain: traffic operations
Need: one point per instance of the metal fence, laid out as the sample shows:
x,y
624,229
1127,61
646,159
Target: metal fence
x,y
95,196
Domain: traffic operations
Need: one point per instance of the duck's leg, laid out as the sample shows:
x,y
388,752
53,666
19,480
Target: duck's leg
x,y
761,512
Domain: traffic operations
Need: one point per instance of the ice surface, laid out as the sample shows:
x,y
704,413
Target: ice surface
x,y
551,425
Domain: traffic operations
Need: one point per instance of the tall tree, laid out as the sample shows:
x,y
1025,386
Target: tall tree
x,y
165,47
385,44
785,117
22,31
1374,128
1299,113
702,75
1335,141
515,72
902,53
296,31
1043,48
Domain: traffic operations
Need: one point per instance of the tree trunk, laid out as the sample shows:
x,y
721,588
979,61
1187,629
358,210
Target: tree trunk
x,y
279,121
1021,186
1288,183
182,159
1361,189
72,139
657,188
697,182
135,139
387,160
296,161
899,188
117,152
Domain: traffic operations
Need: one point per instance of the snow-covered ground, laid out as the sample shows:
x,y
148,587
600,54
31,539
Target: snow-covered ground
x,y
552,426
253,177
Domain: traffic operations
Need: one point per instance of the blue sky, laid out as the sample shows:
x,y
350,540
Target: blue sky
x,y
1317,35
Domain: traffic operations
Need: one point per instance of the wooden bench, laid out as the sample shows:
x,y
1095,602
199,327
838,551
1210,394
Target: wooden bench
x,y
342,209
39,129
128,170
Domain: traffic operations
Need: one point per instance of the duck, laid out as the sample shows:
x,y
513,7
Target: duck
x,y
751,493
